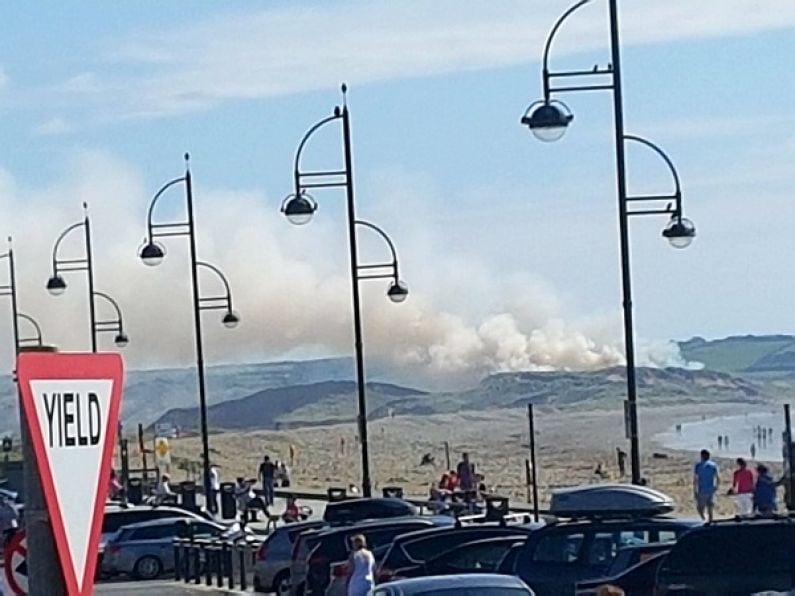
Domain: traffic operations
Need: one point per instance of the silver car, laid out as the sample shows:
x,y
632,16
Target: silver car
x,y
272,568
470,584
146,550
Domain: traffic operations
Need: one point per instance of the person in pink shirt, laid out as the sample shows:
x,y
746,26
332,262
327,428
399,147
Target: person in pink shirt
x,y
743,488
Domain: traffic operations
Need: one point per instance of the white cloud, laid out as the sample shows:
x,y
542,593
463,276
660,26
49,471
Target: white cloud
x,y
289,50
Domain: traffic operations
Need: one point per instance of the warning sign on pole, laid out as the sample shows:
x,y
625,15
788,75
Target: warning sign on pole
x,y
71,403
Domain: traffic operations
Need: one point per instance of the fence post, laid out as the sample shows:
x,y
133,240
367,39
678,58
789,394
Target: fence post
x,y
220,564
230,567
208,568
241,557
177,560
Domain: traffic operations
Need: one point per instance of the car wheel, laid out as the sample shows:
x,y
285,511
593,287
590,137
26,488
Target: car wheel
x,y
147,568
281,583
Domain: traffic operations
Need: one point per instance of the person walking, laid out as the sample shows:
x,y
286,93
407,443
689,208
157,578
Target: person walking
x,y
466,473
267,471
706,479
743,488
621,459
215,489
765,491
361,563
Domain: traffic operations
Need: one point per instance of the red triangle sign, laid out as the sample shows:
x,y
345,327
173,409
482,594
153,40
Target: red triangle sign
x,y
71,403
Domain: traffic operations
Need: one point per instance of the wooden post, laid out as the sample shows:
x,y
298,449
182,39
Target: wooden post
x,y
447,456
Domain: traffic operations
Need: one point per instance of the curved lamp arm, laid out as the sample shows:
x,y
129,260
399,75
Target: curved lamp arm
x,y
296,172
33,322
388,240
669,163
58,243
220,274
115,306
162,190
551,36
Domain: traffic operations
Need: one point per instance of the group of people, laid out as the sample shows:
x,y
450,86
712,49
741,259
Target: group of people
x,y
462,484
752,492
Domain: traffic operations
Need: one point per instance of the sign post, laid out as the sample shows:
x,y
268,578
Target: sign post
x,y
71,404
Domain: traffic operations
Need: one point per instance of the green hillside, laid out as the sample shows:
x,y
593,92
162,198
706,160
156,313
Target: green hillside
x,y
743,354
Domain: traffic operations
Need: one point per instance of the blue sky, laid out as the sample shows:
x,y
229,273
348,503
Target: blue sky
x,y
509,245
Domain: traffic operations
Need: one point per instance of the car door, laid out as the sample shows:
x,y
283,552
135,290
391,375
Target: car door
x,y
552,562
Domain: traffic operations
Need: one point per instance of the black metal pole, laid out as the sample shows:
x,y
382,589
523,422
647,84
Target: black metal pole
x,y
357,317
90,273
12,283
532,444
199,346
623,225
790,471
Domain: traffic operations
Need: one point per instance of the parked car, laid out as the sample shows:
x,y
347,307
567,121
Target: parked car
x,y
408,553
272,567
629,556
305,542
333,545
351,511
637,580
731,558
558,556
476,584
146,550
117,516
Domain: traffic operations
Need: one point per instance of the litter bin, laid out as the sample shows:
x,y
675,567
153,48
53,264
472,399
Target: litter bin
x,y
395,492
228,504
187,493
135,491
336,494
496,508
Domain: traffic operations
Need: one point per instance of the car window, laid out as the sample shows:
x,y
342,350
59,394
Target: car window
x,y
667,536
154,532
385,536
422,549
559,548
201,530
483,557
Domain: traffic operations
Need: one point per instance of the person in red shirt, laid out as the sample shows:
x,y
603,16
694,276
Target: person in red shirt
x,y
743,488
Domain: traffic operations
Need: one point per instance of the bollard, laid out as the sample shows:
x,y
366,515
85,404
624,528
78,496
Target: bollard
x,y
177,560
230,566
220,564
241,561
197,566
208,568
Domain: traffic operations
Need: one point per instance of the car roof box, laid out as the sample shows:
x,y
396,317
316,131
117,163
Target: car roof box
x,y
609,500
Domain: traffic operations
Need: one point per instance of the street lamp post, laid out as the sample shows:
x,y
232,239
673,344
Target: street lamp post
x,y
299,209
548,120
56,285
152,253
112,325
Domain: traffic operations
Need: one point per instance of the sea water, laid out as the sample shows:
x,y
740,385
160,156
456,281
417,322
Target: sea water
x,y
741,430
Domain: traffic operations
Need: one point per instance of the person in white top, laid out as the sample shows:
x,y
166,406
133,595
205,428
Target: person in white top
x,y
361,564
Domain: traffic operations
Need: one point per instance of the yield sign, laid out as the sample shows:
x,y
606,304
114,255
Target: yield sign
x,y
71,403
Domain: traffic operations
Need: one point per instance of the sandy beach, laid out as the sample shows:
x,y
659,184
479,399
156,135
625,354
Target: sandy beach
x,y
570,443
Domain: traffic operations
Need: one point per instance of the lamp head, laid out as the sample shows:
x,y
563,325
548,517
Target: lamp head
x,y
680,232
299,208
56,285
547,120
121,339
152,253
231,319
398,291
